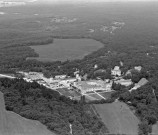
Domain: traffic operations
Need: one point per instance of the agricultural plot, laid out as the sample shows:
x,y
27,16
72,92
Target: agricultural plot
x,y
118,118
155,129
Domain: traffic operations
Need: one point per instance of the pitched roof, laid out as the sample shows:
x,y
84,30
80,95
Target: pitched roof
x,y
142,82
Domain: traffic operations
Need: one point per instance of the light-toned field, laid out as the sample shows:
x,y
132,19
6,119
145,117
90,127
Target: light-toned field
x,y
118,118
155,129
13,124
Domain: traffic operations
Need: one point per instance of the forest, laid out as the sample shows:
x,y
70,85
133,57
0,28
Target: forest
x,y
136,44
14,58
36,102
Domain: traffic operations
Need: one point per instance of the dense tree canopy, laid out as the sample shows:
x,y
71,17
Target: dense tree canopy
x,y
36,102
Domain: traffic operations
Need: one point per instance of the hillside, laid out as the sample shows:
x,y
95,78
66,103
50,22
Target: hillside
x,y
13,124
35,102
155,129
118,118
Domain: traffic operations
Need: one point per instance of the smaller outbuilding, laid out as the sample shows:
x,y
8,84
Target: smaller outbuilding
x,y
138,68
95,66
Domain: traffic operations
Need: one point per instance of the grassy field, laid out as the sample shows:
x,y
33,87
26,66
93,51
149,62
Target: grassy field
x,y
155,129
13,124
118,118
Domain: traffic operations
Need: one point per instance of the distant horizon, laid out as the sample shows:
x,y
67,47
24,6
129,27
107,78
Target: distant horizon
x,y
78,1
8,3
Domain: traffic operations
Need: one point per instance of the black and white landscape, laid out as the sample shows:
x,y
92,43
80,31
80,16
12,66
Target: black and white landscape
x,y
74,67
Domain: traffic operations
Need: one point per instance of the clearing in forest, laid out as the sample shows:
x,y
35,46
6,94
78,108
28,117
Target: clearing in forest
x,y
155,129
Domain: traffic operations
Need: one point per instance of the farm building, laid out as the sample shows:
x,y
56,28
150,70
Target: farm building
x,y
116,71
60,76
138,68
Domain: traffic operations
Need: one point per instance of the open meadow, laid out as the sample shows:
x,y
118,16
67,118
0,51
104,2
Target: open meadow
x,y
118,118
155,129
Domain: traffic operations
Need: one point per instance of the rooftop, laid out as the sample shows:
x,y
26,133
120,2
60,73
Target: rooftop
x,y
116,68
91,84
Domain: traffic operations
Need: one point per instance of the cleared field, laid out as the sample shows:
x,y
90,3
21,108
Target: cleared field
x,y
63,49
14,124
155,129
118,118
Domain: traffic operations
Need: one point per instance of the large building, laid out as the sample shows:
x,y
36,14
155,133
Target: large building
x,y
93,85
60,76
68,82
124,82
